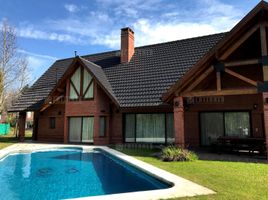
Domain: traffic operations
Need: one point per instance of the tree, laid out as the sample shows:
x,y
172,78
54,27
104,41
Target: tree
x,y
13,66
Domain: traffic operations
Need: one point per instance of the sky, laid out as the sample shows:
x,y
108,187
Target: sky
x,y
53,29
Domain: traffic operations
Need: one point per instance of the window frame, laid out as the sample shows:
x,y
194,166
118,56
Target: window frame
x,y
135,126
105,126
81,93
81,132
223,121
52,122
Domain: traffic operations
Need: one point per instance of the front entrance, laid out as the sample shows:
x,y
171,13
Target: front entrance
x,y
81,129
216,124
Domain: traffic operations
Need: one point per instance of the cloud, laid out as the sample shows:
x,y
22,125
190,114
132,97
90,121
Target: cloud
x,y
71,8
30,31
37,63
37,55
152,21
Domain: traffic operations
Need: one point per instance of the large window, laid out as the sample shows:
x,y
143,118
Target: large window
x,y
216,124
102,131
81,85
81,129
153,128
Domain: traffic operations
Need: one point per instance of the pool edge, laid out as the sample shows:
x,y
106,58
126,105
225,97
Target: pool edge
x,y
181,187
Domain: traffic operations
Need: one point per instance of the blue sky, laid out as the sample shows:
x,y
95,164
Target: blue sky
x,y
52,29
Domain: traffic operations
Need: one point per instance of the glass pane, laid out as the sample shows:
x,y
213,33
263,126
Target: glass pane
x,y
211,127
76,79
150,128
87,79
102,126
130,128
73,94
89,93
237,124
87,132
75,129
170,128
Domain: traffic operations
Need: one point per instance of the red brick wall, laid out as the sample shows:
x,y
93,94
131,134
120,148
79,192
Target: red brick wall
x,y
44,133
98,106
116,126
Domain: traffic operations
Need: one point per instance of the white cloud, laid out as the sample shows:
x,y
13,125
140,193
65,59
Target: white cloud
x,y
37,63
71,8
29,31
37,55
165,24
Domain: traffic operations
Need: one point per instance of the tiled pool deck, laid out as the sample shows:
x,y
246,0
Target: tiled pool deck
x,y
181,187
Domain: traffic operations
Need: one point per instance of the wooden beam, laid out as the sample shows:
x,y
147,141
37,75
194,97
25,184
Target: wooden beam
x,y
220,93
263,40
218,77
239,76
200,78
242,62
239,42
44,107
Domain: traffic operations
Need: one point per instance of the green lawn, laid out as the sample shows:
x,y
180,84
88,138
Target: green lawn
x,y
231,180
9,139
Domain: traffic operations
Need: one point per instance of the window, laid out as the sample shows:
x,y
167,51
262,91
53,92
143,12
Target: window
x,y
102,130
237,124
81,129
153,128
52,122
216,124
81,85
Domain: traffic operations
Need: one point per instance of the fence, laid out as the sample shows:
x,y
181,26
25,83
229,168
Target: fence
x,y
4,129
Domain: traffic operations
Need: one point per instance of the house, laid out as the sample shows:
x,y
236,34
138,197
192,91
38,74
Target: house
x,y
188,92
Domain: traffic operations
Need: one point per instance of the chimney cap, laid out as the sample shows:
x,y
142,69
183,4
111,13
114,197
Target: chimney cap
x,y
127,29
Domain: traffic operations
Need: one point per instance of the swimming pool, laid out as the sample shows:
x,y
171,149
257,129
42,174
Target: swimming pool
x,y
70,173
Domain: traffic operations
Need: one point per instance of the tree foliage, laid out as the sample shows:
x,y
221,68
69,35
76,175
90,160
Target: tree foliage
x,y
13,66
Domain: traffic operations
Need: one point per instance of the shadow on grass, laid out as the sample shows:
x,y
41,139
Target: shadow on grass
x,y
137,152
207,155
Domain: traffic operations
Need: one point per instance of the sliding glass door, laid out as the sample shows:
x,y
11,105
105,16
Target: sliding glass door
x,y
151,128
211,127
216,124
81,129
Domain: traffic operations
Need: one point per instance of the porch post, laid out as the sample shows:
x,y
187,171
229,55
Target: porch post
x,y
265,119
35,125
178,109
264,52
22,120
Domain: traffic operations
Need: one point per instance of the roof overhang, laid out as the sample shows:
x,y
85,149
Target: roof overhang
x,y
217,52
96,72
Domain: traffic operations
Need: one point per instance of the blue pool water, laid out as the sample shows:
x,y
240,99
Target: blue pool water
x,y
69,173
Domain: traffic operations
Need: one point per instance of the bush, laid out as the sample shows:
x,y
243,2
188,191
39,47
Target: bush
x,y
172,153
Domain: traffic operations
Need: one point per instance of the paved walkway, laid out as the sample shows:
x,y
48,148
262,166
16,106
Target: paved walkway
x,y
205,155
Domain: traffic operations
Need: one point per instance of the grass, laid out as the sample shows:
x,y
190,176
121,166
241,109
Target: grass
x,y
231,180
9,139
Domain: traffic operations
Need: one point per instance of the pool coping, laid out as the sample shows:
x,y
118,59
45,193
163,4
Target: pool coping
x,y
181,187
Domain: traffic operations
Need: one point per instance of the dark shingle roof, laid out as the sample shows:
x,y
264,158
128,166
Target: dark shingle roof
x,y
141,82
100,76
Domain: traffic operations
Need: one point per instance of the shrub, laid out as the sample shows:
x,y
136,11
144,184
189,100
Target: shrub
x,y
172,153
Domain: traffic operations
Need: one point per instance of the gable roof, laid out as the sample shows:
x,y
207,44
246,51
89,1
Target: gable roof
x,y
100,77
216,52
141,82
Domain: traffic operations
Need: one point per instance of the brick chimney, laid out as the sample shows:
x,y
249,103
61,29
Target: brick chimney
x,y
127,44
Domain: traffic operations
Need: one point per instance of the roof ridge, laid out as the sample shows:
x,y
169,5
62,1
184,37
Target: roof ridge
x,y
149,45
185,39
90,62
